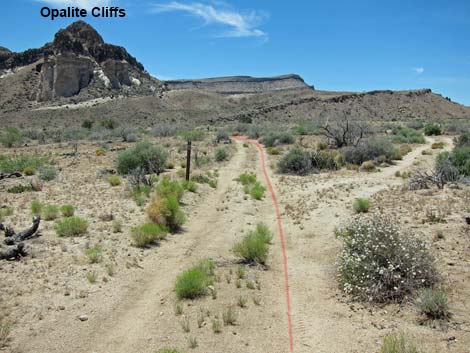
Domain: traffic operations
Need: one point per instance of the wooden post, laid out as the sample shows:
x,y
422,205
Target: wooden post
x,y
188,161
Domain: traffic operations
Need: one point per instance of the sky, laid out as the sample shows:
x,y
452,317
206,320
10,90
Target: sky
x,y
337,45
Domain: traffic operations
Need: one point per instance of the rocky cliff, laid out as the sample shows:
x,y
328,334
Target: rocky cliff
x,y
77,63
240,84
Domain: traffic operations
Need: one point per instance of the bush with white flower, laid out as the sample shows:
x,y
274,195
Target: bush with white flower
x,y
380,263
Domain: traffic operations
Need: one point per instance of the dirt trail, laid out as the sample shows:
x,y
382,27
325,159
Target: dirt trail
x,y
140,317
321,322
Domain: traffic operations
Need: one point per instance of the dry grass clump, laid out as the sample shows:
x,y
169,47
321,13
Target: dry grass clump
x,y
380,263
166,212
433,304
398,343
67,210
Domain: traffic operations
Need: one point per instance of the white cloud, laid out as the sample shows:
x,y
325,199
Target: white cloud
x,y
240,24
419,70
84,4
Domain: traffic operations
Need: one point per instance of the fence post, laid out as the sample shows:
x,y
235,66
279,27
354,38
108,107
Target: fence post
x,y
188,160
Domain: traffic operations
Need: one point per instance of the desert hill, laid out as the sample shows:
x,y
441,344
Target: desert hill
x,y
79,76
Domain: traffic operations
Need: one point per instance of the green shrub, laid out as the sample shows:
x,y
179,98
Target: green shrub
x,y
398,343
432,129
460,158
370,150
433,304
71,227
404,134
21,162
221,154
147,234
19,189
254,247
47,173
296,161
36,208
189,185
114,180
50,212
275,139
87,124
192,283
257,191
67,210
5,212
168,187
5,330
192,135
144,155
169,350
109,124
100,151
222,135
247,178
463,140
361,205
166,212
94,254
379,263
10,137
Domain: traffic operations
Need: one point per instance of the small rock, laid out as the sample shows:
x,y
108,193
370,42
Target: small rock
x,y
83,318
61,307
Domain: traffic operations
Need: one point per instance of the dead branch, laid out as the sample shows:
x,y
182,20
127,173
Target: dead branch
x,y
12,239
14,253
10,175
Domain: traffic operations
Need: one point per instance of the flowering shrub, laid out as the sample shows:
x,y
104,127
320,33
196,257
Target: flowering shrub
x,y
379,263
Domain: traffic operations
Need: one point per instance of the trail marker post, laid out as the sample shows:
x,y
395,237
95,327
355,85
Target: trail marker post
x,y
188,160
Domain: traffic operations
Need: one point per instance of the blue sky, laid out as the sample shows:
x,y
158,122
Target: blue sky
x,y
340,45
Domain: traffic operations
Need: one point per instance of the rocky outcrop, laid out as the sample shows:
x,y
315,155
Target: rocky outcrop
x,y
240,84
78,59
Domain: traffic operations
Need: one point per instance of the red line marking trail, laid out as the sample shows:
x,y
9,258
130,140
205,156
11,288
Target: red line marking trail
x,y
281,233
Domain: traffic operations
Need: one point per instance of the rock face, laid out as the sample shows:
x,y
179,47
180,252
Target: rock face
x,y
240,84
79,60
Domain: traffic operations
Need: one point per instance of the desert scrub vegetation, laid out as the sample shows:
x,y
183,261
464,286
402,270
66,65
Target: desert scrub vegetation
x,y
398,343
28,171
165,211
71,227
251,186
36,208
373,149
273,139
149,158
67,210
403,134
18,163
11,137
381,263
189,185
5,330
94,254
301,162
167,187
194,282
169,350
433,304
221,154
50,212
361,205
114,180
47,173
432,129
147,234
5,212
254,247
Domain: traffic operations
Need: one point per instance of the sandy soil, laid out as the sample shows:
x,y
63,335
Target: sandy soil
x,y
134,311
